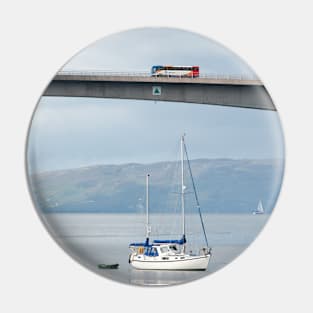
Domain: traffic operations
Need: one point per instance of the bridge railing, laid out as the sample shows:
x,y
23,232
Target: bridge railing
x,y
148,74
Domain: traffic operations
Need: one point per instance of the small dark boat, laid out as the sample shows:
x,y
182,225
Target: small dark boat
x,y
108,266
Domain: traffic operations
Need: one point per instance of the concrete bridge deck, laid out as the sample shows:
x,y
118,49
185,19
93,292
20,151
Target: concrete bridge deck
x,y
214,90
209,79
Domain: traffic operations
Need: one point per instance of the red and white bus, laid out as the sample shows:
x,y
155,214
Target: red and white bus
x,y
174,71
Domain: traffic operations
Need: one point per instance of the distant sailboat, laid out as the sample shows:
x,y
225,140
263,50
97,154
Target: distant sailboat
x,y
259,209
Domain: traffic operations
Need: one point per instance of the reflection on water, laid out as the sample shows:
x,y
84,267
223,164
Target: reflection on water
x,y
104,238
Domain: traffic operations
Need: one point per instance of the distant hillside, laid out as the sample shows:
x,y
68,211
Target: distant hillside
x,y
223,185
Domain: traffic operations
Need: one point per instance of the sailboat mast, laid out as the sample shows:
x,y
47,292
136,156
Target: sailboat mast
x,y
196,196
147,208
182,183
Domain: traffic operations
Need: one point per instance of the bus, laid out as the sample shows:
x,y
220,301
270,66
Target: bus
x,y
174,71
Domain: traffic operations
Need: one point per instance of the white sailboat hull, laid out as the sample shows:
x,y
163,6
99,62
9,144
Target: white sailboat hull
x,y
188,263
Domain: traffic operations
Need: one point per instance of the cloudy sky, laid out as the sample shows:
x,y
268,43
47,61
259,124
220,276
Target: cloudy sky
x,y
139,49
73,132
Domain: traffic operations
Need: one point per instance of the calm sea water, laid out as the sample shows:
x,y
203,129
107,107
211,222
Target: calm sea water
x,y
104,238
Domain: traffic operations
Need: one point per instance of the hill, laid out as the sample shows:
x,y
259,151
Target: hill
x,y
223,185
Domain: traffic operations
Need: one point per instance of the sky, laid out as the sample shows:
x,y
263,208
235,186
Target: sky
x,y
139,49
74,132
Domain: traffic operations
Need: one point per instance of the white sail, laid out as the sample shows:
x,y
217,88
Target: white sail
x,y
260,209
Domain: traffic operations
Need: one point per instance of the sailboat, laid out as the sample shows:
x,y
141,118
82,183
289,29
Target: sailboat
x,y
259,209
170,254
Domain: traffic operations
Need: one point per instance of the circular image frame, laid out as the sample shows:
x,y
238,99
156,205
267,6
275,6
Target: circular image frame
x,y
186,91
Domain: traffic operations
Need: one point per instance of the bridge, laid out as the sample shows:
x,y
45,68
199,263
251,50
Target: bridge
x,y
235,91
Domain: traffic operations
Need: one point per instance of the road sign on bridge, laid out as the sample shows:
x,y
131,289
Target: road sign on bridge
x,y
156,90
